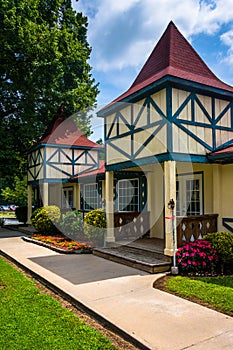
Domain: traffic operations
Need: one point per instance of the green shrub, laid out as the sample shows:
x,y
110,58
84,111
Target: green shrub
x,y
222,242
72,224
94,226
21,214
46,218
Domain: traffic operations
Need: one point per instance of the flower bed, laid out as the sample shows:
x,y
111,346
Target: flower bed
x,y
61,243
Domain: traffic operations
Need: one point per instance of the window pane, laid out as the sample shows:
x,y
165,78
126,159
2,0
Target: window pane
x,y
90,196
128,195
67,198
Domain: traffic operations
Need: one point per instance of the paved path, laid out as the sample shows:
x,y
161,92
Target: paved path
x,y
125,297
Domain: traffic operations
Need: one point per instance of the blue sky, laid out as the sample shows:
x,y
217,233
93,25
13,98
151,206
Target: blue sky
x,y
122,34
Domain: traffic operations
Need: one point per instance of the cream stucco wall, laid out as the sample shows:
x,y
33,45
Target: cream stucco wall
x,y
226,173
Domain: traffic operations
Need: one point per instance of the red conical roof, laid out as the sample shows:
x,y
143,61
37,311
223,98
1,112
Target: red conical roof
x,y
64,131
174,56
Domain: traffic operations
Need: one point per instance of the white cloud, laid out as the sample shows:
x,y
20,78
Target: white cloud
x,y
123,33
227,39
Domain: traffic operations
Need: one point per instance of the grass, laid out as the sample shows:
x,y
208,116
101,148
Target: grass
x,y
30,320
7,214
217,292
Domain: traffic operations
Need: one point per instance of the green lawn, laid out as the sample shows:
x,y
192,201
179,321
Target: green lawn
x,y
7,214
31,320
216,291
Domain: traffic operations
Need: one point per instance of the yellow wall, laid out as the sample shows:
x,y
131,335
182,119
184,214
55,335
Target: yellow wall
x,y
227,193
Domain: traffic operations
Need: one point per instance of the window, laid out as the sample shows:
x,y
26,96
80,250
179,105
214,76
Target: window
x,y
91,196
189,195
67,198
128,195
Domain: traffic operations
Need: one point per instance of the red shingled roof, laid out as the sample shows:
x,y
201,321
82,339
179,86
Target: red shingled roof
x,y
224,151
65,132
174,56
100,170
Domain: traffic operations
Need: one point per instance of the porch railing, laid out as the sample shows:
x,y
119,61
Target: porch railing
x,y
190,228
131,225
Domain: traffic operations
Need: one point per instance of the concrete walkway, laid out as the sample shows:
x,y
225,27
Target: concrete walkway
x,y
125,298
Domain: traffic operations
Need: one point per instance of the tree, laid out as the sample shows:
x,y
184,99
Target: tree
x,y
101,143
18,194
43,63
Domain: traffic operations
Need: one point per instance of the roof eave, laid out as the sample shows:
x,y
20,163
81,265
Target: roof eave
x,y
157,85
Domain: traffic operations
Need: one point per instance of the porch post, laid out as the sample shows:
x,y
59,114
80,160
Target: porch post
x,y
217,198
29,214
45,193
109,176
78,196
76,190
170,193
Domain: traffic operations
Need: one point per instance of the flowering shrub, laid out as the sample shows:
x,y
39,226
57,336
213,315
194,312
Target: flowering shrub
x,y
94,225
45,218
197,258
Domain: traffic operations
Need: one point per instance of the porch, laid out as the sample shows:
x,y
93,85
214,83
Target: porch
x,y
134,247
145,254
135,225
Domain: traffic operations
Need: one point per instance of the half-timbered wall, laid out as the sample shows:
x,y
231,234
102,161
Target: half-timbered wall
x,y
60,162
137,130
36,165
169,121
200,123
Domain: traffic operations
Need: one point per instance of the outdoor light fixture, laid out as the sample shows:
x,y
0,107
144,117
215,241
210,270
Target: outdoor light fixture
x,y
171,206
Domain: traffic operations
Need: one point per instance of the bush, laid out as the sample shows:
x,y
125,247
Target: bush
x,y
21,214
46,218
197,258
94,226
72,224
223,243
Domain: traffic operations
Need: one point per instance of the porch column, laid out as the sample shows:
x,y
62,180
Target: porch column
x,y
109,185
217,197
29,214
45,187
77,196
170,193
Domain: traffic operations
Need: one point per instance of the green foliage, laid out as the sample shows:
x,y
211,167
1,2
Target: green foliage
x,y
33,320
43,63
197,258
72,224
46,218
17,193
94,226
223,243
216,291
21,214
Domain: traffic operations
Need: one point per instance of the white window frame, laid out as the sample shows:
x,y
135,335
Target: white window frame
x,y
127,202
67,204
182,194
88,199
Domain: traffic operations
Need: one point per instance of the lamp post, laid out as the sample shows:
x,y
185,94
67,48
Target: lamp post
x,y
171,205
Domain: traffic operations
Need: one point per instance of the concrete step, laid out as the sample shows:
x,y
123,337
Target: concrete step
x,y
141,259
